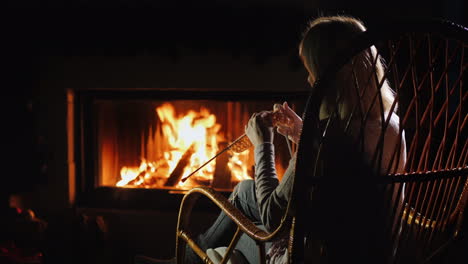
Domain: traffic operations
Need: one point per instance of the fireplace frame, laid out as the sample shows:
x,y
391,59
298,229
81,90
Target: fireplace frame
x,y
82,144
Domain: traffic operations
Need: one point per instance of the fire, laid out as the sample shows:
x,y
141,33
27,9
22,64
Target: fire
x,y
182,143
237,165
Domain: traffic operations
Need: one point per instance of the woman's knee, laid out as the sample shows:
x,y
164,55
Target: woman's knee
x,y
244,186
243,190
243,198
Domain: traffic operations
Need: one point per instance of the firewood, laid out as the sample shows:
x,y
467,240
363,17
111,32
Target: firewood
x,y
136,179
176,174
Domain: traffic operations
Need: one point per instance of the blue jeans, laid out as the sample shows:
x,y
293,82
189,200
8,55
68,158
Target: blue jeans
x,y
223,229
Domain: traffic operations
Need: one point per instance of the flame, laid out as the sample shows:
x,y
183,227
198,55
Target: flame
x,y
237,165
195,133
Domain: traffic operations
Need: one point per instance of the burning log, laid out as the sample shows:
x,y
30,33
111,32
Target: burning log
x,y
176,174
139,177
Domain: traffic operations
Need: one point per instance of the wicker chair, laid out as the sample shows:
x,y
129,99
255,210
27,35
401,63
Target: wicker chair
x,y
365,210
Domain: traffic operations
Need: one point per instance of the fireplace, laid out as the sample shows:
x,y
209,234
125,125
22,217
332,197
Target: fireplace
x,y
135,148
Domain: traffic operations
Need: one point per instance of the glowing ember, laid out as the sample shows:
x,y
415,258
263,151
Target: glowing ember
x,y
179,145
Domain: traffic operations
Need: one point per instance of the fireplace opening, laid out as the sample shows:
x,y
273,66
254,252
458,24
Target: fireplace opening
x,y
151,141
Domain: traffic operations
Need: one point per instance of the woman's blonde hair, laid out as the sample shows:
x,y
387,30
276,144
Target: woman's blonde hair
x,y
322,41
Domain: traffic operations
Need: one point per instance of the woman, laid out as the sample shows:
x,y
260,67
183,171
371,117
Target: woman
x,y
264,200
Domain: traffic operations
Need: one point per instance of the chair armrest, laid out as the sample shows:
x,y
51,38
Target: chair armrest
x,y
230,210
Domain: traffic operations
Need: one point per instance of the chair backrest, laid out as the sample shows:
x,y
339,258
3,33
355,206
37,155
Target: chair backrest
x,y
387,179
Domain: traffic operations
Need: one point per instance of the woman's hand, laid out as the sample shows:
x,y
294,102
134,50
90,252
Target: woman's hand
x,y
294,127
260,128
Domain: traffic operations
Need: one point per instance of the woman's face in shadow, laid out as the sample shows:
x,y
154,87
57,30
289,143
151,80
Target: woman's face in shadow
x,y
323,114
311,78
